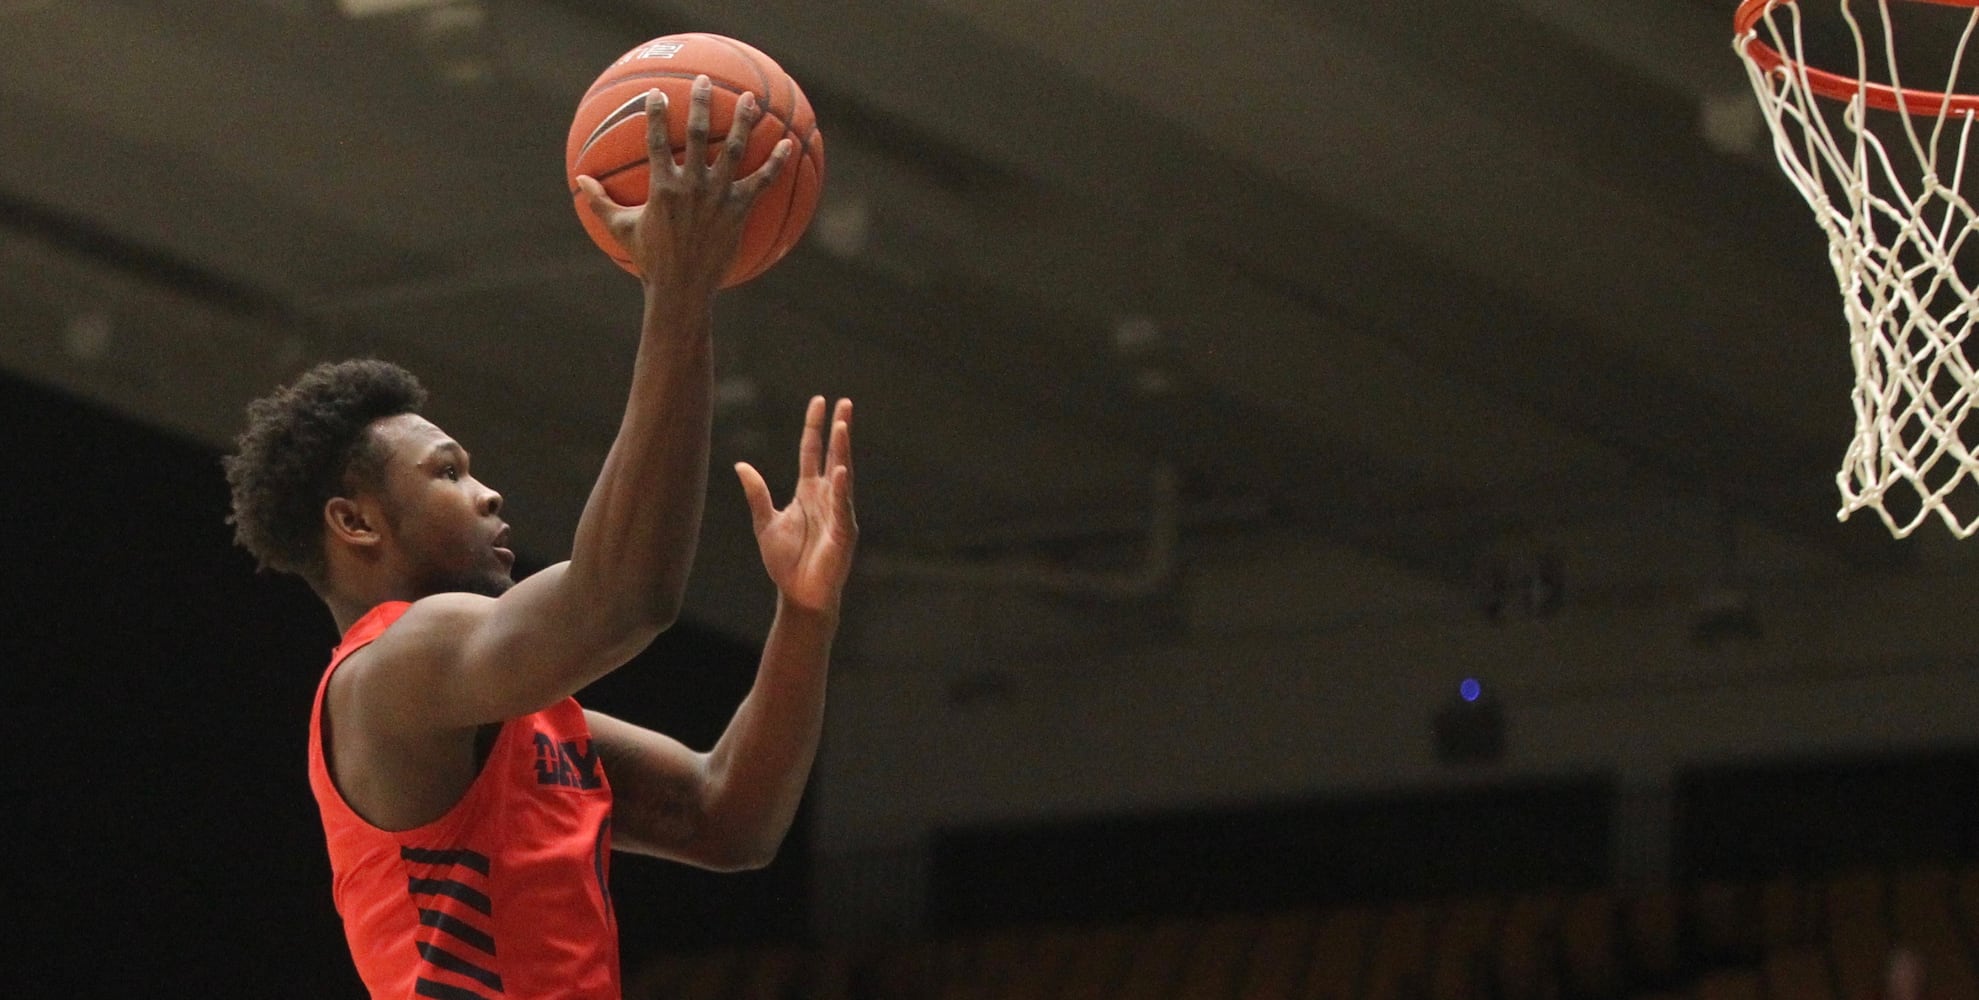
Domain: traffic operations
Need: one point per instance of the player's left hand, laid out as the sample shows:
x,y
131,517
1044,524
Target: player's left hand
x,y
807,546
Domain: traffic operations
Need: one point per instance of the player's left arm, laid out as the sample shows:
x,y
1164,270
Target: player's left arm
x,y
728,809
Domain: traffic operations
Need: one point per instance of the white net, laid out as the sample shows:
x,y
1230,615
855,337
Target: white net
x,y
1884,170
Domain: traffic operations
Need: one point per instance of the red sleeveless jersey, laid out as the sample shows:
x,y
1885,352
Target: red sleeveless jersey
x,y
506,895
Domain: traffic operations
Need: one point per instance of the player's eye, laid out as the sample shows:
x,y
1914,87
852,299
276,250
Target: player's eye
x,y
452,472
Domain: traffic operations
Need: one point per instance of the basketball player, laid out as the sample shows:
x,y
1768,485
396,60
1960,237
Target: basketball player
x,y
469,804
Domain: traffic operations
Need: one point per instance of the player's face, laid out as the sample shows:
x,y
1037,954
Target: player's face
x,y
446,527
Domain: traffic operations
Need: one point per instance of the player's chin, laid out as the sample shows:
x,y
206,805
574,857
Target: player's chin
x,y
497,574
498,582
489,583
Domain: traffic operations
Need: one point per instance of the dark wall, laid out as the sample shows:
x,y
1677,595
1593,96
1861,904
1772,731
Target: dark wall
x,y
1255,859
160,837
1821,815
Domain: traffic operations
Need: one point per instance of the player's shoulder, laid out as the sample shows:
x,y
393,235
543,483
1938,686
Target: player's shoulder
x,y
416,643
443,608
416,630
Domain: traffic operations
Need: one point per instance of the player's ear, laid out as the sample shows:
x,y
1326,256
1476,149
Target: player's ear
x,y
350,522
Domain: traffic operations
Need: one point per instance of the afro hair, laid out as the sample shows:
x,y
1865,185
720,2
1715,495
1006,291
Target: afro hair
x,y
304,444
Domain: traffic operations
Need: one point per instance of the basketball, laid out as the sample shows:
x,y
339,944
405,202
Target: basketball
x,y
608,139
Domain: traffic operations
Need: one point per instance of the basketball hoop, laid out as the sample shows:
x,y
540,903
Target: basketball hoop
x,y
1883,167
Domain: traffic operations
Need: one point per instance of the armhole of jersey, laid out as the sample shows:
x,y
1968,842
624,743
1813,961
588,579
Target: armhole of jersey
x,y
324,739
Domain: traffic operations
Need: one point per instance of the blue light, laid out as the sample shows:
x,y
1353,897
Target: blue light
x,y
1470,689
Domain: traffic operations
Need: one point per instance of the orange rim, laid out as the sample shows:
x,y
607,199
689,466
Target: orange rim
x,y
1835,86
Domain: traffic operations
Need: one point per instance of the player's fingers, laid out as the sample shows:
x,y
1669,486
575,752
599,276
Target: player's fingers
x,y
697,124
841,439
810,447
749,187
659,145
757,493
594,194
747,113
846,523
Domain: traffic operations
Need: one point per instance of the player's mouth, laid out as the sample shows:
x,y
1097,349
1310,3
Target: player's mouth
x,y
502,551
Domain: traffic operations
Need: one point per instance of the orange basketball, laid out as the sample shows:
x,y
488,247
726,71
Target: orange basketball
x,y
608,139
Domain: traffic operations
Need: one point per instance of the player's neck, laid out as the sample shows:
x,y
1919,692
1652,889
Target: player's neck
x,y
347,611
353,600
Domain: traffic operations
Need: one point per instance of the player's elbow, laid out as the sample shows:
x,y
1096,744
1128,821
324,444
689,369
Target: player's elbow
x,y
625,611
737,844
653,611
753,862
628,630
663,610
741,855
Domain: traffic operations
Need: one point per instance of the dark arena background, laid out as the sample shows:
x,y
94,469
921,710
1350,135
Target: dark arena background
x,y
1347,498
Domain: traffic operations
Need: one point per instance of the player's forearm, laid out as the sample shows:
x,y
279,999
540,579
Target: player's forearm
x,y
634,545
758,769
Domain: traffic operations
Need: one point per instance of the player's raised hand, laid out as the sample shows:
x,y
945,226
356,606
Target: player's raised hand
x,y
683,237
807,546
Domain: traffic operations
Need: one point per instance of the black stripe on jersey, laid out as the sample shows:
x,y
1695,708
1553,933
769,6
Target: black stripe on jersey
x,y
451,889
441,991
444,959
465,932
463,857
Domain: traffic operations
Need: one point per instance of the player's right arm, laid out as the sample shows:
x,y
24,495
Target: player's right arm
x,y
458,660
